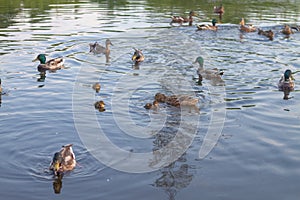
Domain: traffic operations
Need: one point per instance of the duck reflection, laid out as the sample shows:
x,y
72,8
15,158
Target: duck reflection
x,y
174,179
176,175
57,183
0,92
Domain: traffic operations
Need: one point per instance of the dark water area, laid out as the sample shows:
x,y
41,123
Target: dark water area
x,y
240,142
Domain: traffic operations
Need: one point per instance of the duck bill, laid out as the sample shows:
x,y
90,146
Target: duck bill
x,y
36,59
134,57
56,167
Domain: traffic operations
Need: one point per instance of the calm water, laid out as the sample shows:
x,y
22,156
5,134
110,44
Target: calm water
x,y
256,155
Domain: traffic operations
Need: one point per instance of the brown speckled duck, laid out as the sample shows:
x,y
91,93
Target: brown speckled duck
x,y
137,56
287,30
180,20
176,100
100,105
63,161
96,48
269,34
246,28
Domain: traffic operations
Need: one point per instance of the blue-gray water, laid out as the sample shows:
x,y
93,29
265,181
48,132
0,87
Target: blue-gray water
x,y
257,154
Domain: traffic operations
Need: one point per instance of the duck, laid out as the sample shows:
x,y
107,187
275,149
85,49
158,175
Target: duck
x,y
137,56
214,74
269,34
287,30
100,105
96,48
176,100
212,27
180,20
219,10
153,105
96,87
53,64
63,161
246,28
286,83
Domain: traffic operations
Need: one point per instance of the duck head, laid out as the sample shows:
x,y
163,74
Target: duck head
x,y
41,58
214,21
287,74
56,163
108,42
200,60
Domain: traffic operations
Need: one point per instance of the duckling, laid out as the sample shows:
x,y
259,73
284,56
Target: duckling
x,y
138,56
100,105
98,49
176,100
153,105
180,20
53,64
287,30
246,28
219,10
286,83
212,27
63,161
269,34
97,87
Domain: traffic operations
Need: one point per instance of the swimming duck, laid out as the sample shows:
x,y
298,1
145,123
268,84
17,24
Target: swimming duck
x,y
100,105
212,27
97,87
269,33
219,10
96,48
214,74
287,30
246,28
138,56
153,105
176,100
63,161
286,83
181,20
53,64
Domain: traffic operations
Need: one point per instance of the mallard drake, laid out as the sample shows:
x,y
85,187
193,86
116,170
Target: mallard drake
x,y
100,105
269,33
286,83
287,30
181,20
138,56
246,28
63,161
153,105
207,73
176,100
53,64
97,87
219,10
212,27
96,48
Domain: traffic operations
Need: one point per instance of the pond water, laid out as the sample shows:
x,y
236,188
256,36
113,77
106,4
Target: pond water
x,y
242,144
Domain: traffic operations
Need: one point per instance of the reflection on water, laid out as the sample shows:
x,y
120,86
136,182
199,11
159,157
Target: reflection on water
x,y
36,113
